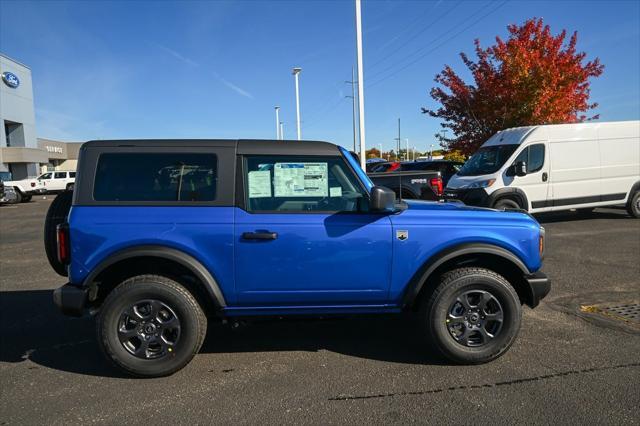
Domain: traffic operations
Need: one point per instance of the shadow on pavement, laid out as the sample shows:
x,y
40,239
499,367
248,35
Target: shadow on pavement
x,y
32,328
575,216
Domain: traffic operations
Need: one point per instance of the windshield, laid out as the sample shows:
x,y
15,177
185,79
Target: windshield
x,y
487,160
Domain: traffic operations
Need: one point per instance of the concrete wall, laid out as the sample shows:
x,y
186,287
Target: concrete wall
x,y
17,104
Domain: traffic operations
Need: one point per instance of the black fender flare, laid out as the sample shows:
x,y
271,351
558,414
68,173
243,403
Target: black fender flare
x,y
422,275
509,192
184,259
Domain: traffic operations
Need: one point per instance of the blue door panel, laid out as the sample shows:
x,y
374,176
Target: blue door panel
x,y
205,233
317,259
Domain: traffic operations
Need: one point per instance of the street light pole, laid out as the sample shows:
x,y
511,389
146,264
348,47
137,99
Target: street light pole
x,y
406,141
281,130
360,84
353,102
278,137
296,71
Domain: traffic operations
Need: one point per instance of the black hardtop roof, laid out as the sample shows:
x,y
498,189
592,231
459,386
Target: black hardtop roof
x,y
242,146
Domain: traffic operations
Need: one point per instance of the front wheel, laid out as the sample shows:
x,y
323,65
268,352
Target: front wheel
x,y
473,315
506,203
151,326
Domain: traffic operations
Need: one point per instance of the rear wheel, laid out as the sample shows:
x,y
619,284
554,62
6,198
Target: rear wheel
x,y
70,186
506,203
151,326
473,315
633,205
57,214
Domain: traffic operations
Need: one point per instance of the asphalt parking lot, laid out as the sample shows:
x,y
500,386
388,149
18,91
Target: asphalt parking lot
x,y
566,366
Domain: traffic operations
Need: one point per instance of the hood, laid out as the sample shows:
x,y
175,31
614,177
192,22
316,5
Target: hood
x,y
455,211
446,206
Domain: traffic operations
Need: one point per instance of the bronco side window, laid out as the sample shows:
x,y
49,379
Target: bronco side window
x,y
156,177
301,184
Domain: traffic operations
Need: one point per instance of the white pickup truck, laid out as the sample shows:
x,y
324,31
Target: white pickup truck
x,y
47,182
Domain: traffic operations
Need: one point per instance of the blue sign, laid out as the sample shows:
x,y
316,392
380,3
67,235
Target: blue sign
x,y
10,79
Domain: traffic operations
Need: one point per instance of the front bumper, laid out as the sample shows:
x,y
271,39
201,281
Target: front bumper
x,y
471,197
70,299
539,285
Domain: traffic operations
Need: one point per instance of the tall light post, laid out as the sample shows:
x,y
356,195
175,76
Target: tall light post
x,y
295,72
281,130
380,145
278,137
360,84
406,141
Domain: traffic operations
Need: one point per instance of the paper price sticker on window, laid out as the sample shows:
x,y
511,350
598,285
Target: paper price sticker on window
x,y
260,184
300,179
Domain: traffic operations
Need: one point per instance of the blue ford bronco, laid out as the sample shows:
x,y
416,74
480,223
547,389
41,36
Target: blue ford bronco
x,y
159,235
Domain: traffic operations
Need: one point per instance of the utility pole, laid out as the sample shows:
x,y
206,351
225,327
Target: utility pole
x,y
281,130
295,72
278,137
360,84
353,101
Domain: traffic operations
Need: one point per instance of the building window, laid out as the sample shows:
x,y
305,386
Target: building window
x,y
14,133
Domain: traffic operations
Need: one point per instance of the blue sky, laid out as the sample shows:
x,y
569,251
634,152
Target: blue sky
x,y
216,69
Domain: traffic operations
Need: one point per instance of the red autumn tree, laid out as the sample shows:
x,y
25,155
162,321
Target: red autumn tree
x,y
532,78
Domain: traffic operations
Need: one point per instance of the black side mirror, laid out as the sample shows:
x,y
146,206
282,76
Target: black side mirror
x,y
517,169
382,199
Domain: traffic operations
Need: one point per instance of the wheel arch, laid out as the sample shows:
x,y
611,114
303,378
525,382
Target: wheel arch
x,y
484,255
158,260
635,187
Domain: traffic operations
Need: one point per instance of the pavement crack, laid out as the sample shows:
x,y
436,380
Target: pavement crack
x,y
487,385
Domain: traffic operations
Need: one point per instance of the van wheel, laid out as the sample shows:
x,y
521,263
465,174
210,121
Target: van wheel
x,y
473,315
150,326
633,206
57,214
506,203
70,186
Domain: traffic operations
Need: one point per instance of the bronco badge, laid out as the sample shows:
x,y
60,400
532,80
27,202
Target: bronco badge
x,y
402,235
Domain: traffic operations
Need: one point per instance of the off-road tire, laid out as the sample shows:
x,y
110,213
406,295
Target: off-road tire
x,y
193,324
57,214
633,205
433,314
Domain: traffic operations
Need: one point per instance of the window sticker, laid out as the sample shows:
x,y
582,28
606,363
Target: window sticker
x,y
300,179
260,184
335,191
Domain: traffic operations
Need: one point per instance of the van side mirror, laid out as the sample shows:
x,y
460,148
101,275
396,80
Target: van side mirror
x,y
518,169
382,199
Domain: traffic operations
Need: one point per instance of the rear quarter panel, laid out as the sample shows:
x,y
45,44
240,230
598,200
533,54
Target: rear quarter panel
x,y
205,233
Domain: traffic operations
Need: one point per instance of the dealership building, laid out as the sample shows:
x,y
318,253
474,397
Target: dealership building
x,y
21,152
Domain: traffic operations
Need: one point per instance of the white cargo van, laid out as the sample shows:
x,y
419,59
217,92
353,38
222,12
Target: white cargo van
x,y
554,167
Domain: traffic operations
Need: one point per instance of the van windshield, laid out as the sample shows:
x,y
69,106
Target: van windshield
x,y
487,160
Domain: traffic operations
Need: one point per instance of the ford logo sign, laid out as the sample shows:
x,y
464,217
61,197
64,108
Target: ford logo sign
x,y
10,79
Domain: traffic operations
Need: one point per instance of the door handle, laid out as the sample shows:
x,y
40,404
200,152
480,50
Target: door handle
x,y
545,176
259,235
